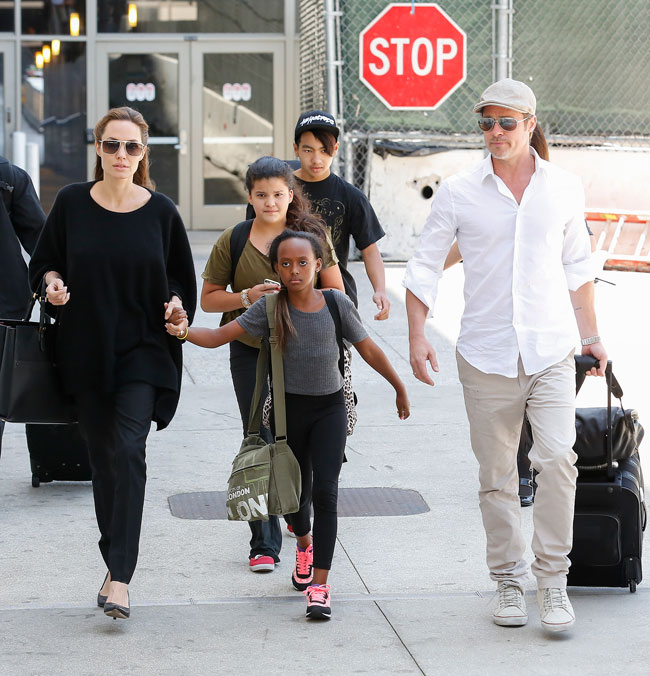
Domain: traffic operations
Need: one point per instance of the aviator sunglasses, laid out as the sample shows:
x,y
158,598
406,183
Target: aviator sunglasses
x,y
506,123
133,148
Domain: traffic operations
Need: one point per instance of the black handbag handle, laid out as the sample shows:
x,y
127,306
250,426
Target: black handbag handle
x,y
43,319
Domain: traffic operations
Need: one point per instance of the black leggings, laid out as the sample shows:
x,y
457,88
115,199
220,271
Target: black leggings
x,y
316,434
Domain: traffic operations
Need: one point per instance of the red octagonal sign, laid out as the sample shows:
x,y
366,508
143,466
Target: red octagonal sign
x,y
412,60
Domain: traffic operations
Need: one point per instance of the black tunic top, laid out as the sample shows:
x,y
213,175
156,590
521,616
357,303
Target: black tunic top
x,y
120,269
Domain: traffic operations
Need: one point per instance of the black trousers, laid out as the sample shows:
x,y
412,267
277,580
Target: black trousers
x,y
116,426
316,429
266,536
2,429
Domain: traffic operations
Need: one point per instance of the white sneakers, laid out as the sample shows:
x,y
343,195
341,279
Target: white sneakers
x,y
511,605
554,606
556,609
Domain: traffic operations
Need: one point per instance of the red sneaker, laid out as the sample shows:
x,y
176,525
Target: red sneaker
x,y
318,602
290,531
261,564
303,571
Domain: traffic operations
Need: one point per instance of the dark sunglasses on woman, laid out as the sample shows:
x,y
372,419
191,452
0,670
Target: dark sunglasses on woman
x,y
133,148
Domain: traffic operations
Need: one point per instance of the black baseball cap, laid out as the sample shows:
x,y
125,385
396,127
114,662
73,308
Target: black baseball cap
x,y
316,119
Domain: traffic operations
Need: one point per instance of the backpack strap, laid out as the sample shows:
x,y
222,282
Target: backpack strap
x,y
238,238
333,308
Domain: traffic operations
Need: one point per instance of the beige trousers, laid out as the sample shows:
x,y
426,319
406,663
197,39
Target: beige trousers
x,y
495,407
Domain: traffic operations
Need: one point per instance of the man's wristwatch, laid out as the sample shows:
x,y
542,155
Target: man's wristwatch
x,y
245,300
590,341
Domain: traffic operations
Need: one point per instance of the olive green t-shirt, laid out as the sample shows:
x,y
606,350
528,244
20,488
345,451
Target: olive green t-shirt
x,y
253,268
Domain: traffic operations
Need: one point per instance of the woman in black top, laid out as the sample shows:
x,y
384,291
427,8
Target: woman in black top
x,y
117,261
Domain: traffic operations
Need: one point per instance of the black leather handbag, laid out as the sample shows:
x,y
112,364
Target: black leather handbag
x,y
598,443
30,387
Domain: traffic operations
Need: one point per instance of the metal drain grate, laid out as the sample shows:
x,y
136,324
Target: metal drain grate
x,y
352,502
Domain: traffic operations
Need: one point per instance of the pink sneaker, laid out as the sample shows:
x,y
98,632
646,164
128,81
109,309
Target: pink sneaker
x,y
261,564
290,531
318,602
303,571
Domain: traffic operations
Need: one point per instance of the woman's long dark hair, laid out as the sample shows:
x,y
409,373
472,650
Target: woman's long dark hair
x,y
141,176
283,323
299,216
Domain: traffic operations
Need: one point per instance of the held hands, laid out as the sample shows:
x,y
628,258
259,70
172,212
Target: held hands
x,y
421,352
380,299
597,351
56,292
176,317
257,291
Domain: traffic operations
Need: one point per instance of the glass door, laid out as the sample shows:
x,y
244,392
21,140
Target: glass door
x,y
7,97
237,99
153,78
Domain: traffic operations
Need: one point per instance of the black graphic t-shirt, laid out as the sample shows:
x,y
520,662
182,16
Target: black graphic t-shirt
x,y
347,212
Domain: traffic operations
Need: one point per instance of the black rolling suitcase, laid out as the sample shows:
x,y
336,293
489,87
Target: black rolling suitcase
x,y
610,512
57,453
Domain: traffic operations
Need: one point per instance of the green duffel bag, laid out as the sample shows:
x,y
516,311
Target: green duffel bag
x,y
265,478
248,486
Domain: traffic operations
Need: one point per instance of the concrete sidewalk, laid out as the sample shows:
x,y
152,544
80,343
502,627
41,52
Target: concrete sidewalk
x,y
411,594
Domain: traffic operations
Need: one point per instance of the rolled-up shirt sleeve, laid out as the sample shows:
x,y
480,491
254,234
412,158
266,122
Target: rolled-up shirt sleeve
x,y
424,270
576,251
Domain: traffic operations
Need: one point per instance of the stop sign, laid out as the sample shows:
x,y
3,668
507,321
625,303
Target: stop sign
x,y
412,60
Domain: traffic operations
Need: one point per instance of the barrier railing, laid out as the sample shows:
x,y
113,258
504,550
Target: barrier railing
x,y
622,239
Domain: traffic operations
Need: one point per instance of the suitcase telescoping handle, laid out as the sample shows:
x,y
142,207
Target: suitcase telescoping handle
x,y
585,363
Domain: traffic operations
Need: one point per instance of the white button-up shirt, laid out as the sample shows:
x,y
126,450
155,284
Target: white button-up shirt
x,y
520,261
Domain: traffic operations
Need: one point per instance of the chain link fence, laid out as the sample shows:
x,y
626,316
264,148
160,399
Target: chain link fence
x,y
313,53
586,60
588,63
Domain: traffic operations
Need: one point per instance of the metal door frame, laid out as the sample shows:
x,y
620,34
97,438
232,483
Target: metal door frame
x,y
218,217
99,103
11,94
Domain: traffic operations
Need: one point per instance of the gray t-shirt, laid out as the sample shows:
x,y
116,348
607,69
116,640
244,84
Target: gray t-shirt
x,y
311,358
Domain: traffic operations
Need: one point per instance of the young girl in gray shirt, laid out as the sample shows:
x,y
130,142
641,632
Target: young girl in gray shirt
x,y
315,407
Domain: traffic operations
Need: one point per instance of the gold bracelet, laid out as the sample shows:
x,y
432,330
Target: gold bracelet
x,y
245,300
183,337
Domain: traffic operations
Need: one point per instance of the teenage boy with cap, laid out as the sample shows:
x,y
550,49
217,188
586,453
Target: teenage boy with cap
x,y
519,222
345,209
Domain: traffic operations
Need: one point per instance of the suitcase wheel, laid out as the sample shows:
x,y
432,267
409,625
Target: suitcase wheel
x,y
36,482
632,586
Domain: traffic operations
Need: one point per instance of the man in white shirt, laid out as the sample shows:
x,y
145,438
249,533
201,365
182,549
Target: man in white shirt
x,y
519,222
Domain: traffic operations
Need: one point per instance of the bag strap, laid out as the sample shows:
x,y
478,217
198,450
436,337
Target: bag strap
x,y
255,414
277,371
238,239
333,308
39,296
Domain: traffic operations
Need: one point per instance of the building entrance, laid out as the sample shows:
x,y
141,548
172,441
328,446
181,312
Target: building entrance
x,y
213,107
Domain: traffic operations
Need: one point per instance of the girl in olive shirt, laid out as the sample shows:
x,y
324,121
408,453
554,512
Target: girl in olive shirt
x,y
278,205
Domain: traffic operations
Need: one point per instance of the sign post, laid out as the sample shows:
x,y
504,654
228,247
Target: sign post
x,y
412,60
